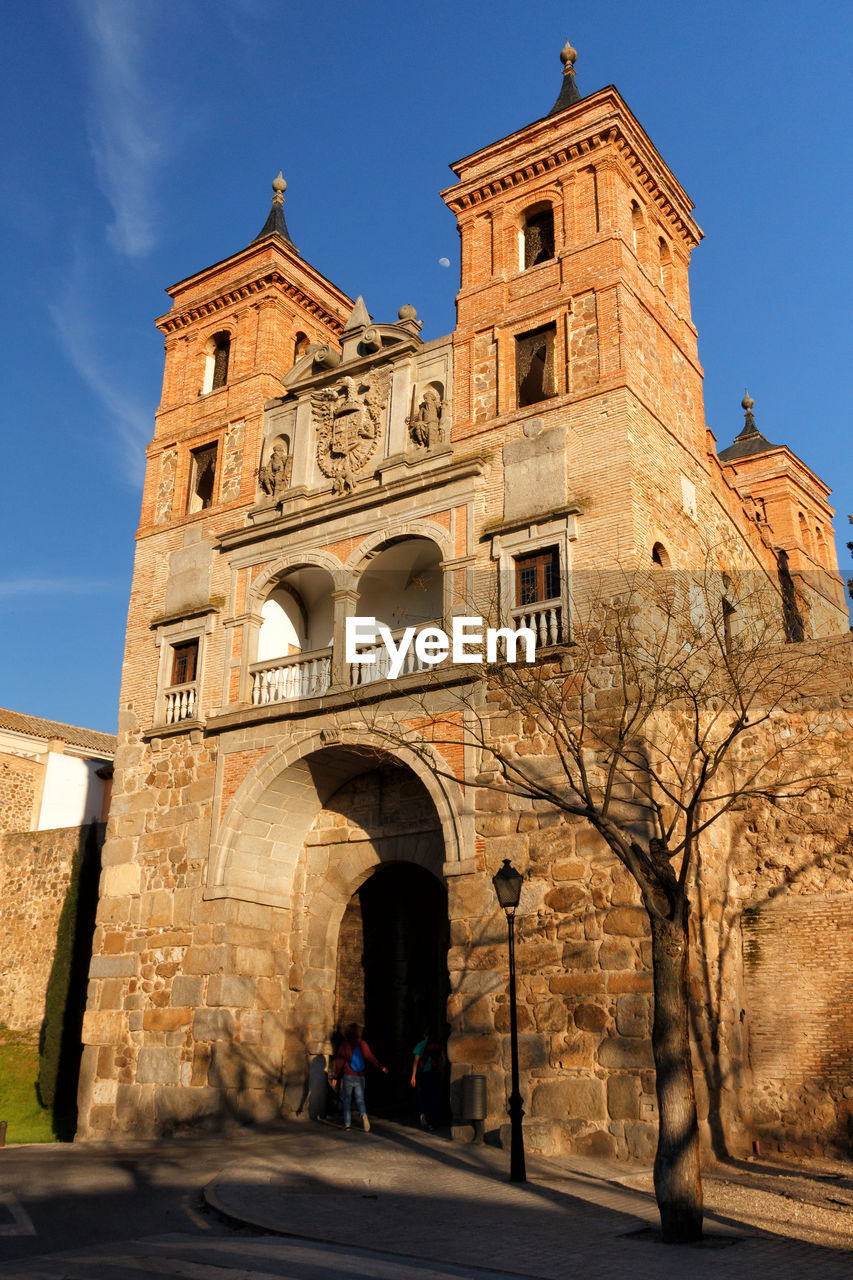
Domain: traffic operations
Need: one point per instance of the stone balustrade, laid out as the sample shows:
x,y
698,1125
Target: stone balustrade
x,y
361,673
181,702
545,620
302,675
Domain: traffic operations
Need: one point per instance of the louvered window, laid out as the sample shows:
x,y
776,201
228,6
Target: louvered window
x,y
538,238
202,478
535,365
221,356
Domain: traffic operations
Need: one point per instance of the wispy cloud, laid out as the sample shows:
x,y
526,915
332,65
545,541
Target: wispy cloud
x,y
130,419
26,588
127,128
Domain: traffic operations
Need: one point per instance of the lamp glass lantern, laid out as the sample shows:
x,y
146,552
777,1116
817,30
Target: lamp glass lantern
x,y
507,884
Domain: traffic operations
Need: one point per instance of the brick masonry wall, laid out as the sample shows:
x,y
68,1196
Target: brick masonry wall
x,y
19,783
800,1004
35,870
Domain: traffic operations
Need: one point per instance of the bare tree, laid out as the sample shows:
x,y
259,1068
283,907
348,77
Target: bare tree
x,y
668,705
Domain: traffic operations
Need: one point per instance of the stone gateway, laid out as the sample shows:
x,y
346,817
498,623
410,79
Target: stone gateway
x,y
275,866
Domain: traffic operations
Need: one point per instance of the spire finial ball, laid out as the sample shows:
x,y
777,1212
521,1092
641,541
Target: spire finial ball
x,y
568,57
407,312
279,185
747,402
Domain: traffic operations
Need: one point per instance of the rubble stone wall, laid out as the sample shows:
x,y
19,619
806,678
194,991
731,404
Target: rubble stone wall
x,y
19,783
35,871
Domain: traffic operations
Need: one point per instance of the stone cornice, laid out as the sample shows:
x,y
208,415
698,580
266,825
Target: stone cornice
x,y
325,508
200,611
783,464
603,120
174,321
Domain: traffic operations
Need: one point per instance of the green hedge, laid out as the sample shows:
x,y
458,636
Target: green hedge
x,y
60,1044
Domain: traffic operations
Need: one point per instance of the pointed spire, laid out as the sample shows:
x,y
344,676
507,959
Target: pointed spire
x,y
569,94
358,317
275,224
750,440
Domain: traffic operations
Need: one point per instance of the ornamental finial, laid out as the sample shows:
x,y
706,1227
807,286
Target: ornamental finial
x,y
568,57
569,94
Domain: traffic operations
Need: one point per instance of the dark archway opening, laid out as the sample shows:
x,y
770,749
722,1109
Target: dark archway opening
x,y
392,975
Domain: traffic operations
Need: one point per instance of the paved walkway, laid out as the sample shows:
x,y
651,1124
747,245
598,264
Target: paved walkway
x,y
310,1202
405,1193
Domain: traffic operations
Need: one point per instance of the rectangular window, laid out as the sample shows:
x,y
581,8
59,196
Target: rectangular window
x,y
537,577
535,367
202,478
184,662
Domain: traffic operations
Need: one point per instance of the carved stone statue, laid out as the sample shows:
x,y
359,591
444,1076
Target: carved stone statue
x,y
274,475
424,422
348,419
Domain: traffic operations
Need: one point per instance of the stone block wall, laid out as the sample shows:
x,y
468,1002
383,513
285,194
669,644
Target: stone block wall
x,y
583,960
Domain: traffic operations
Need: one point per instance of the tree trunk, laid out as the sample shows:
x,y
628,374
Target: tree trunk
x,y
678,1181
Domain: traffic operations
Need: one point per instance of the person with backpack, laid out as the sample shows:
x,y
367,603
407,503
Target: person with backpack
x,y
426,1077
350,1061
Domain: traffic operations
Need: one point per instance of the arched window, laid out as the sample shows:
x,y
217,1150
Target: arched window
x,y
805,538
820,543
300,346
216,357
665,265
660,556
795,629
537,236
638,229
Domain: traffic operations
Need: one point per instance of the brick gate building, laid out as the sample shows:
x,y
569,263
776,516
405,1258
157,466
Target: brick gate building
x,y
271,868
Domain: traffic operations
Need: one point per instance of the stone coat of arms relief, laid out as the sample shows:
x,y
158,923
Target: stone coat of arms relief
x,y
348,419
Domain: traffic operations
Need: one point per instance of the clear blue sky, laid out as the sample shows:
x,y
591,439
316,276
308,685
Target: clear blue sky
x,y
142,136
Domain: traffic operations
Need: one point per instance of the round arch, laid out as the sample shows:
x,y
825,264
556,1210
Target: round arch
x,y
255,854
361,556
265,582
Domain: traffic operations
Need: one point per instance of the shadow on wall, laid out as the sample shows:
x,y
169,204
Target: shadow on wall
x,y
757,1085
60,1045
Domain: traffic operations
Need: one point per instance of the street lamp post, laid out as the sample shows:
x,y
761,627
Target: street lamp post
x,y
507,884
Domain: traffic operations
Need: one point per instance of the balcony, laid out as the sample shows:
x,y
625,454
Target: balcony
x,y
545,620
361,673
302,675
181,702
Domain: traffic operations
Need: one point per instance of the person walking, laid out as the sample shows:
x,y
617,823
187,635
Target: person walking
x,y
427,1067
350,1060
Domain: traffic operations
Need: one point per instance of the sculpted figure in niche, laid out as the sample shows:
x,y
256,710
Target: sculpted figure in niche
x,y
424,422
274,475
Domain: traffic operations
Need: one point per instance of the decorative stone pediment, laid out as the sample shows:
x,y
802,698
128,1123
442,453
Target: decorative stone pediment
x,y
362,341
